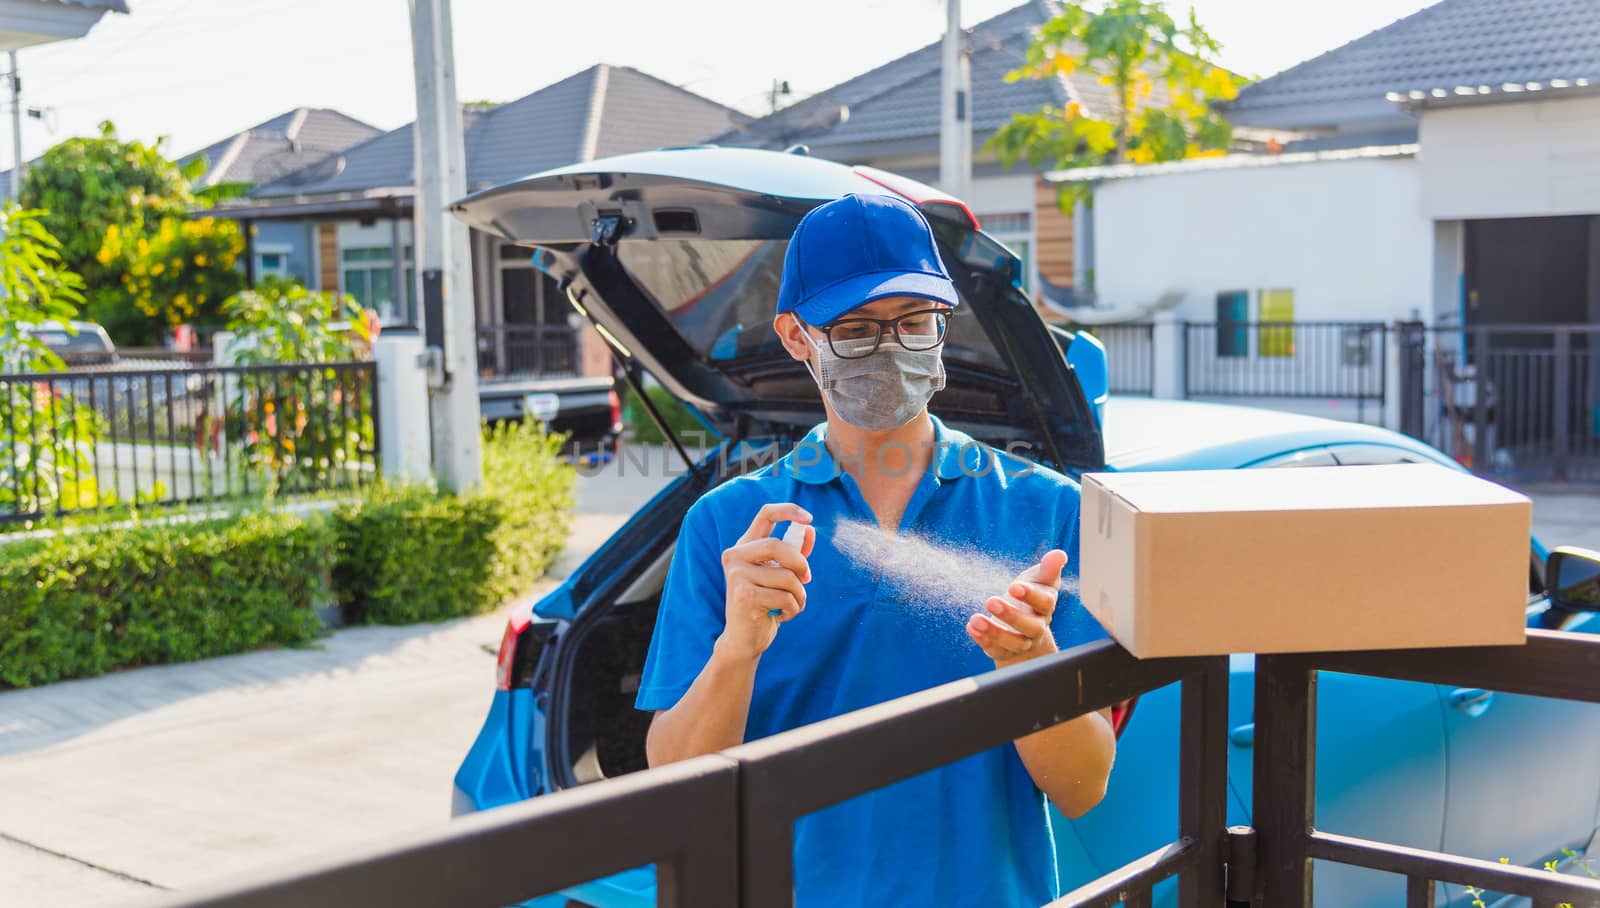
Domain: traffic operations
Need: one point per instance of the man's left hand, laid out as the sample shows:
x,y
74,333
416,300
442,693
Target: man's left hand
x,y
1026,607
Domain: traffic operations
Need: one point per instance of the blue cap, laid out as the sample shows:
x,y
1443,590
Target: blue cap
x,y
856,249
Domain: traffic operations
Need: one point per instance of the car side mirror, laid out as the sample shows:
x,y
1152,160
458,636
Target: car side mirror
x,y
1572,576
1087,357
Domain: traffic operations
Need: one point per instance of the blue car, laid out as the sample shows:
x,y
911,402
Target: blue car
x,y
676,255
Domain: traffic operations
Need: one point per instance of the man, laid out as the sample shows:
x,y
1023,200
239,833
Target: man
x,y
755,637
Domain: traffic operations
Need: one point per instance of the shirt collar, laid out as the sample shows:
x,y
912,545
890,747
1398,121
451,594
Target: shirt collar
x,y
956,454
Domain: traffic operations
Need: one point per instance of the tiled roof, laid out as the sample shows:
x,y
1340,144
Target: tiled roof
x,y
599,111
1452,43
288,142
899,100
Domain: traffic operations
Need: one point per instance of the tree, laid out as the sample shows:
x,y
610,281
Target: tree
x,y
1134,47
46,439
281,417
35,287
122,213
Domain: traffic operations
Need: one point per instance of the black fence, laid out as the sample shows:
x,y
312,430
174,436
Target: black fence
x,y
1520,403
86,439
1345,360
505,350
719,828
1130,350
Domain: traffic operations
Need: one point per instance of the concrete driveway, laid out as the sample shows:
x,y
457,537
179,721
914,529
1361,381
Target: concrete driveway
x,y
163,777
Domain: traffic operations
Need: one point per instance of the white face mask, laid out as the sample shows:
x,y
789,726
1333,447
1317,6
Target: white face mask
x,y
882,390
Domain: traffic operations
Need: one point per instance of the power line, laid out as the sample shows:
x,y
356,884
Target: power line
x,y
127,42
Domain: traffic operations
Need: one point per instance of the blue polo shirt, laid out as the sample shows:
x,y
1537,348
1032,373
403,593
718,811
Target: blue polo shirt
x,y
975,832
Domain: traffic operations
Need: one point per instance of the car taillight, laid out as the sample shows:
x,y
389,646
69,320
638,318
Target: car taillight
x,y
521,617
1120,714
919,194
616,411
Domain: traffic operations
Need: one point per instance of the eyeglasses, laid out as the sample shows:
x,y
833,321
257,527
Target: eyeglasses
x,y
857,337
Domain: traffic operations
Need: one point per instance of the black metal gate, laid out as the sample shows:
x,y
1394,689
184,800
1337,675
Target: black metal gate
x,y
718,827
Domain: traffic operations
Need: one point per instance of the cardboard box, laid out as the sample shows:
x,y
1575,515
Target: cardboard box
x,y
1304,559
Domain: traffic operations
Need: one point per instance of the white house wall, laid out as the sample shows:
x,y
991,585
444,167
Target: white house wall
x,y
1348,237
1001,195
1527,159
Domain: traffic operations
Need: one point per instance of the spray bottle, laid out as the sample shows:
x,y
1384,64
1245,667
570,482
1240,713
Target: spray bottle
x,y
795,538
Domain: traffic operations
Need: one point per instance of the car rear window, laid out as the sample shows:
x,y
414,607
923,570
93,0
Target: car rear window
x,y
721,296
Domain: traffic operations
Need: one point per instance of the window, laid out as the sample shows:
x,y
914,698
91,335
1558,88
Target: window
x,y
1233,316
367,273
1276,336
720,294
272,260
1307,457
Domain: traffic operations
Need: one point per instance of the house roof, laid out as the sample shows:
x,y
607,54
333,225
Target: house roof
x,y
1452,43
600,111
116,6
288,142
898,102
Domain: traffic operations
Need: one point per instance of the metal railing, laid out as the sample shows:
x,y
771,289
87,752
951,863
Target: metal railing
x,y
1552,664
1515,402
87,439
719,828
510,349
1130,354
1285,359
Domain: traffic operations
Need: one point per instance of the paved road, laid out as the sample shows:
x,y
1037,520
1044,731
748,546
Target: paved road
x,y
164,777
168,776
1567,518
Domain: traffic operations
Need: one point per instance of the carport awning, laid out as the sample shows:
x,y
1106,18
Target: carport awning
x,y
295,209
25,23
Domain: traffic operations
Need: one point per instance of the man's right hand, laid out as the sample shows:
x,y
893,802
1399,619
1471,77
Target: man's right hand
x,y
764,576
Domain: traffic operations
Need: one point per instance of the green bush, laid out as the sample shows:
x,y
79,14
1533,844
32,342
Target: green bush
x,y
412,553
94,598
85,603
643,429
522,470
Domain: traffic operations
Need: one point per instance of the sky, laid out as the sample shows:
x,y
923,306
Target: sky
x,y
196,71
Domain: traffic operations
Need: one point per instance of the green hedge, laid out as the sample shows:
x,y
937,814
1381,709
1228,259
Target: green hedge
x,y
642,429
413,554
83,603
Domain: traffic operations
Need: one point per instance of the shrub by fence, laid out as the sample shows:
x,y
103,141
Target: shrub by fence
x,y
106,597
82,604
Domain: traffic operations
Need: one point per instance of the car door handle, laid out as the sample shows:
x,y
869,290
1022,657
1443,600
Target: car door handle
x,y
1474,701
1243,736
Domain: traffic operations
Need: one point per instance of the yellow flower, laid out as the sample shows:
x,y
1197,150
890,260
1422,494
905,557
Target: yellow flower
x,y
181,299
157,268
200,260
200,298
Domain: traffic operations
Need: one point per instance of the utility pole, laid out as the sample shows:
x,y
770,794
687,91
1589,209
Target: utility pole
x,y
955,108
780,88
20,168
444,253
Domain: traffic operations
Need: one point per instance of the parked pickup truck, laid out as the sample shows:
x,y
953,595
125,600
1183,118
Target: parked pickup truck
x,y
587,408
